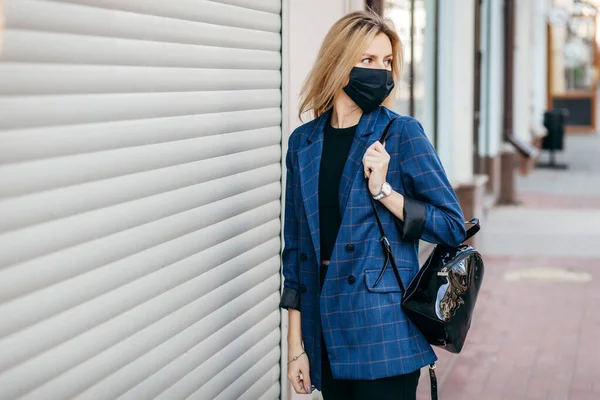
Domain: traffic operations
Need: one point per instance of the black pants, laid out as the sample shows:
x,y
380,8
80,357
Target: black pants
x,y
399,387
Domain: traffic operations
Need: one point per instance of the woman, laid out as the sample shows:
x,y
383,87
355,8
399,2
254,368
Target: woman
x,y
348,336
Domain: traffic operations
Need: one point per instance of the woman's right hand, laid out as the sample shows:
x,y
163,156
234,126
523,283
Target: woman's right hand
x,y
298,371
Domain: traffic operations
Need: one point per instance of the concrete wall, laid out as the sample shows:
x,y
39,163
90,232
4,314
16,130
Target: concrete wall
x,y
492,79
530,83
540,66
455,107
496,101
309,22
305,24
522,102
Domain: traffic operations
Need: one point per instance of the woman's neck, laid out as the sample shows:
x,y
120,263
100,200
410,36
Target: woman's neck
x,y
345,112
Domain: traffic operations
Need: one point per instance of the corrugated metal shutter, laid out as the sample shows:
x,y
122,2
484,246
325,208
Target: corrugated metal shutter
x,y
140,167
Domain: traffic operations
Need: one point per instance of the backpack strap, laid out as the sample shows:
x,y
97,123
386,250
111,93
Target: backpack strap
x,y
474,229
390,258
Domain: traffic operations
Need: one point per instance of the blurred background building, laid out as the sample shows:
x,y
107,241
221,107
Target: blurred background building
x,y
141,167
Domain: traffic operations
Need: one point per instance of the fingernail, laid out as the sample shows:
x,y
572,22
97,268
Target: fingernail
x,y
308,389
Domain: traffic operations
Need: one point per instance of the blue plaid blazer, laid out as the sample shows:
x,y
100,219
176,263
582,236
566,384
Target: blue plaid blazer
x,y
366,333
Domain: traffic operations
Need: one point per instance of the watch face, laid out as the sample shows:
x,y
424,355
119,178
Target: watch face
x,y
386,189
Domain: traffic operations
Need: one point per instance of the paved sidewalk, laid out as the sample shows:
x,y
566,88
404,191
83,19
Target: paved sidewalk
x,y
537,337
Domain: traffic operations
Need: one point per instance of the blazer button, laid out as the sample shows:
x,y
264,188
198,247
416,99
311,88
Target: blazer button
x,y
303,256
303,289
349,248
351,279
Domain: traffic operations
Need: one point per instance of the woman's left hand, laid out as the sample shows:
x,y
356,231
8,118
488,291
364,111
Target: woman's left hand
x,y
375,163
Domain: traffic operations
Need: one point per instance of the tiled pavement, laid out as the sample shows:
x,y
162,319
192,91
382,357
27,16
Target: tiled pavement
x,y
537,339
529,340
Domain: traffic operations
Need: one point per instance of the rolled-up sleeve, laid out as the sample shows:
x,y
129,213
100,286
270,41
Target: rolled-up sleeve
x,y
290,297
431,209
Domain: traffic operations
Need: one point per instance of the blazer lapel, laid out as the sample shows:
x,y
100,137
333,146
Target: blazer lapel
x,y
309,162
360,144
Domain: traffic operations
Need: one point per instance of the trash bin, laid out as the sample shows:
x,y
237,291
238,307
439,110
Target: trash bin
x,y
554,121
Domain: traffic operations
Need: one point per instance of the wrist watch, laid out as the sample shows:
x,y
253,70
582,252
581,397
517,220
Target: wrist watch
x,y
386,190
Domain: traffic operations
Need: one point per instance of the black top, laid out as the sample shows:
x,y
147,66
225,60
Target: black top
x,y
336,147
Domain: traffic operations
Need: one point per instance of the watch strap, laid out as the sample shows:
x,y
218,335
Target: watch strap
x,y
381,195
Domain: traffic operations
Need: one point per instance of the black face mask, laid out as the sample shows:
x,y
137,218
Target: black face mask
x,y
368,87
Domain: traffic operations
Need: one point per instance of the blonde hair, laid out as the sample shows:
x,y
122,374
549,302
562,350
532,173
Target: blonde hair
x,y
342,48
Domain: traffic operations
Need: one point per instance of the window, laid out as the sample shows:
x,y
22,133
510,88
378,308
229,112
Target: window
x,y
415,22
572,63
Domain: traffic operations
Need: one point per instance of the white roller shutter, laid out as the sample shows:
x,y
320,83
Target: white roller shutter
x,y
140,168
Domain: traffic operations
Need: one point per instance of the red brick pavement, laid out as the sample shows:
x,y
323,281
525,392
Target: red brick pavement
x,y
529,340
